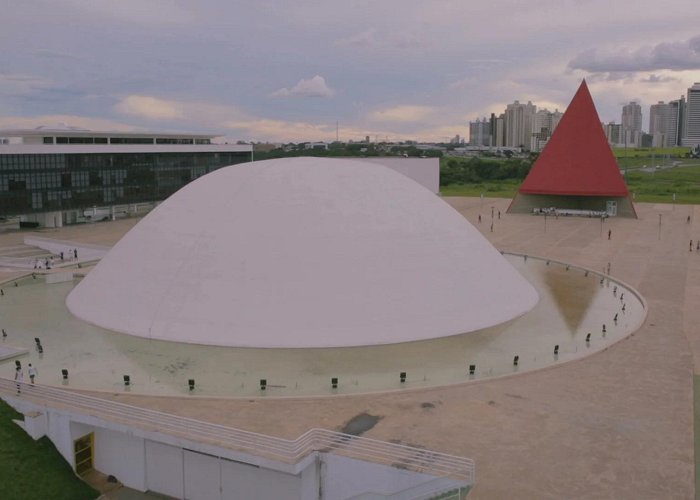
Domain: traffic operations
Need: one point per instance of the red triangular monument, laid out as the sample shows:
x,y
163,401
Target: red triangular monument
x,y
577,168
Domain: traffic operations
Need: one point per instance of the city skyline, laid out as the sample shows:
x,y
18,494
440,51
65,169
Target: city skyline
x,y
289,72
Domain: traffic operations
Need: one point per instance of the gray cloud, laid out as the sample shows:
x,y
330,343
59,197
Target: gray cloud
x,y
653,78
676,56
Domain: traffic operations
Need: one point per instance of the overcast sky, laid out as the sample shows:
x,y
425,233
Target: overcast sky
x,y
281,70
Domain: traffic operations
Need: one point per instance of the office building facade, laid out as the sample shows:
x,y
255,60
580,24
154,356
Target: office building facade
x,y
62,172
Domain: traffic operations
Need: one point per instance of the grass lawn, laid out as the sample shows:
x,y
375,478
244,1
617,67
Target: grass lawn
x,y
659,186
649,152
34,469
493,189
648,187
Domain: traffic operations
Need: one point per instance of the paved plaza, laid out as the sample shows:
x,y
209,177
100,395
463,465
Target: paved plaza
x,y
617,424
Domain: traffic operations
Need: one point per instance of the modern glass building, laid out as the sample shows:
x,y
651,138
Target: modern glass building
x,y
52,176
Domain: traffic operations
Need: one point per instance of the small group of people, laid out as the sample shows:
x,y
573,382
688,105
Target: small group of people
x,y
19,375
48,262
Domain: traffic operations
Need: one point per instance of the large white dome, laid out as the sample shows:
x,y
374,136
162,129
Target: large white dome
x,y
302,252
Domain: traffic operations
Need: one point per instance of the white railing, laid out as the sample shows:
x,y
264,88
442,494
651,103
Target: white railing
x,y
283,450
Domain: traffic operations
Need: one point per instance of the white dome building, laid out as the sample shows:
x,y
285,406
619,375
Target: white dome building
x,y
302,252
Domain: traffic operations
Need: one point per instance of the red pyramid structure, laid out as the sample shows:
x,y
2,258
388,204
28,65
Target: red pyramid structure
x,y
577,168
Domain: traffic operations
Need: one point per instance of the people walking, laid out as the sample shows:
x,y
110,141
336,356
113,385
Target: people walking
x,y
31,370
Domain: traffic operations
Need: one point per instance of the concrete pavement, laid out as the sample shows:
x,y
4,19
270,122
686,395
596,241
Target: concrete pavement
x,y
617,424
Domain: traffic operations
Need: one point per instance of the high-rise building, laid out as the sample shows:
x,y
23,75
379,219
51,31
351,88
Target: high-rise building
x,y
545,122
666,123
480,132
658,122
692,119
613,132
632,124
519,121
676,121
498,130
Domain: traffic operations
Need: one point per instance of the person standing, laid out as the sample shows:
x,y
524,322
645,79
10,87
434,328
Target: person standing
x,y
32,373
19,377
75,253
609,233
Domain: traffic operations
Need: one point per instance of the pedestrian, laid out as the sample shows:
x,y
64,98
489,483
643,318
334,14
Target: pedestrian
x,y
479,218
4,334
688,220
19,377
32,373
75,253
61,256
609,233
499,214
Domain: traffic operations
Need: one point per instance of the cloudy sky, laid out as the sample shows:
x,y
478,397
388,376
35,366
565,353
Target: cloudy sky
x,y
281,70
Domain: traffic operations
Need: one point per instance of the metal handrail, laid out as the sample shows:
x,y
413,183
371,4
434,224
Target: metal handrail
x,y
279,449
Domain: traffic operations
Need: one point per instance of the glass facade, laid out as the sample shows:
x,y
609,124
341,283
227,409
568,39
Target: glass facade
x,y
32,183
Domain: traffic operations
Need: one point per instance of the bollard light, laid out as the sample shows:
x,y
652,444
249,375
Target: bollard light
x,y
263,384
127,380
402,377
190,383
334,382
